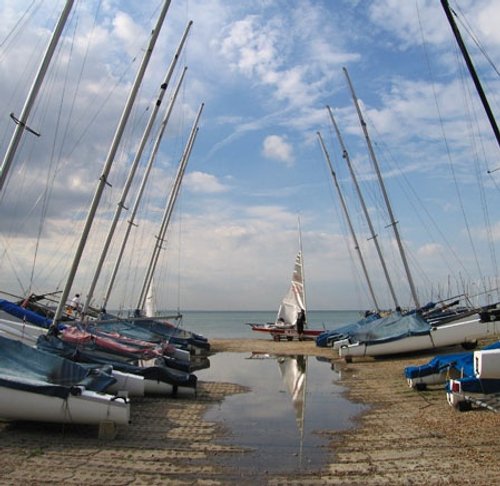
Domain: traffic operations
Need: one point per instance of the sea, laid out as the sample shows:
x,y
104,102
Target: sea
x,y
233,324
295,405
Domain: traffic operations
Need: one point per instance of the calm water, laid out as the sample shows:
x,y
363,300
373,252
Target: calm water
x,y
291,402
231,324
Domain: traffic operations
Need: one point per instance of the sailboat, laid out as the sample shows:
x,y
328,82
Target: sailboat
x,y
410,332
292,304
38,386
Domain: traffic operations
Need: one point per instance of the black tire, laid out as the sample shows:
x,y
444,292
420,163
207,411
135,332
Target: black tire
x,y
464,406
469,346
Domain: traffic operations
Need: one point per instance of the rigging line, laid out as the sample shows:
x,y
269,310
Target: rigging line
x,y
54,161
101,106
17,25
445,140
179,253
466,98
362,294
410,191
478,169
6,256
467,27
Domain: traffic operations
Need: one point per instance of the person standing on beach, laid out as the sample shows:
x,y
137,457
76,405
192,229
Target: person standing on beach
x,y
301,319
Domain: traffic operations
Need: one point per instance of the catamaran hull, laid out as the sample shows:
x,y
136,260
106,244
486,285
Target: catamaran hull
x,y
132,384
20,331
88,408
446,335
278,333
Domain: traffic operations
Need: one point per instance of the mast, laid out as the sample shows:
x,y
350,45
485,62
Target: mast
x,y
133,169
374,236
302,267
103,180
348,218
472,70
147,171
393,222
169,209
22,121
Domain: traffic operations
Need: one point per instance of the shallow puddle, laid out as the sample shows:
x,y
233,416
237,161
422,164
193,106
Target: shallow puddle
x,y
292,400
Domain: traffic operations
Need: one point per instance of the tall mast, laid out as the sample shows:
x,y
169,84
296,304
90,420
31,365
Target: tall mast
x,y
22,121
133,169
103,180
169,209
393,222
374,236
348,218
145,177
302,265
472,70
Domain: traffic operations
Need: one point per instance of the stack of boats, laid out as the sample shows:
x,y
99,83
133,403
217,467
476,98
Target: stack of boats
x,y
469,377
86,372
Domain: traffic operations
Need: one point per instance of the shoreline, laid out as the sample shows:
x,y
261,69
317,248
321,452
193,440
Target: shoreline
x,y
405,437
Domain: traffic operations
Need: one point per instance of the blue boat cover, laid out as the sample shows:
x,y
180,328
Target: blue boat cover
x,y
24,314
390,328
462,362
326,338
26,368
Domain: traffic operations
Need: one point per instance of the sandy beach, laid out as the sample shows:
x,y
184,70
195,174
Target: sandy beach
x,y
406,437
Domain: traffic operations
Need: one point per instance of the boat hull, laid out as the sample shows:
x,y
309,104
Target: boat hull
x,y
467,332
88,408
288,333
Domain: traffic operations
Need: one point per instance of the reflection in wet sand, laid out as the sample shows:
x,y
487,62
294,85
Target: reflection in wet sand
x,y
292,400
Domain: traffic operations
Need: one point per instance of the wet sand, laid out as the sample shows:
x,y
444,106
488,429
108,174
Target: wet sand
x,y
406,437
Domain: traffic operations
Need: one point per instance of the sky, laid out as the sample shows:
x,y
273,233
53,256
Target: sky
x,y
257,187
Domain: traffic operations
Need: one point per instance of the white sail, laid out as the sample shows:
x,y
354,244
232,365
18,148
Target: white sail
x,y
294,299
150,304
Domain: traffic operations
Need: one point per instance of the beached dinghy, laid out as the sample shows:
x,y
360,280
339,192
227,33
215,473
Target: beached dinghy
x,y
482,387
442,368
412,333
158,379
38,386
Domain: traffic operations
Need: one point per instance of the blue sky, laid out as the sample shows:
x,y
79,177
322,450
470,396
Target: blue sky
x,y
266,71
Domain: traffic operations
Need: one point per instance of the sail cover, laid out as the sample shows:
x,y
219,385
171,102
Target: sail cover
x,y
26,368
294,299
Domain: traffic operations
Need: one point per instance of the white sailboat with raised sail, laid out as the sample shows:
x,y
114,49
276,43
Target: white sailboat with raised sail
x,y
291,320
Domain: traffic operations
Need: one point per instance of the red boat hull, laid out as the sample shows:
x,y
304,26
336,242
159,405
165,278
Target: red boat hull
x,y
288,333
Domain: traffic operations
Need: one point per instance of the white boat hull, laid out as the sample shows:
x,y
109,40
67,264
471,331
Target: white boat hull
x,y
88,408
445,335
20,331
127,382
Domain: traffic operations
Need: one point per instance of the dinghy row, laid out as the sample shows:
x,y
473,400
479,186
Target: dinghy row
x,y
87,376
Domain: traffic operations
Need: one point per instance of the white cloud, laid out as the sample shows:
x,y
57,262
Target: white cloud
x,y
202,182
277,147
127,31
430,249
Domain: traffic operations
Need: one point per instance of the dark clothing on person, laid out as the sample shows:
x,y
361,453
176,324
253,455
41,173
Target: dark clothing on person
x,y
301,319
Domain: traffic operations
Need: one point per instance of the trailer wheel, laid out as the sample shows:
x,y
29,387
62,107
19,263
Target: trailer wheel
x,y
469,345
420,386
464,406
276,337
289,338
